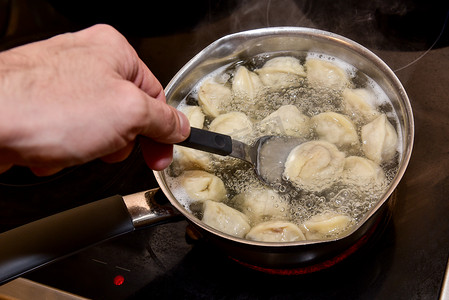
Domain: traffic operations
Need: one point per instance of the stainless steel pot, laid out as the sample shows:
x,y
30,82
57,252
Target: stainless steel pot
x,y
38,243
238,46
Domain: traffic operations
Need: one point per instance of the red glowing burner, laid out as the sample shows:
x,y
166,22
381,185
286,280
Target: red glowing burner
x,y
316,267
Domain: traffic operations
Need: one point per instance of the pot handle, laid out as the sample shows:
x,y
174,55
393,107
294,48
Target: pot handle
x,y
39,243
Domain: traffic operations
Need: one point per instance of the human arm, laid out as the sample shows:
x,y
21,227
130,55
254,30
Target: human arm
x,y
80,96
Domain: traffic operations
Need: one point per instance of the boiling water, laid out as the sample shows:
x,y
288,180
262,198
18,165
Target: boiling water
x,y
239,176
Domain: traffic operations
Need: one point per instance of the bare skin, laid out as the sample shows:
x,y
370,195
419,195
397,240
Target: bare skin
x,y
81,96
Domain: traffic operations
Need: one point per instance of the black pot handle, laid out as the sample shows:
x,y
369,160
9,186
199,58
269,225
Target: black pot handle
x,y
30,246
39,243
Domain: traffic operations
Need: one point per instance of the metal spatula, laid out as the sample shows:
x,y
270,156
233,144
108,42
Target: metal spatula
x,y
267,155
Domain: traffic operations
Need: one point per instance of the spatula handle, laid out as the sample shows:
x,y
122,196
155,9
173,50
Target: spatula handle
x,y
208,141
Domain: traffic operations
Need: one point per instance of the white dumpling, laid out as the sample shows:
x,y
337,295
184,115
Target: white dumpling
x,y
213,97
360,104
261,204
235,124
276,231
335,128
195,116
225,218
281,72
362,172
287,120
246,84
379,140
323,73
322,226
200,186
191,159
314,165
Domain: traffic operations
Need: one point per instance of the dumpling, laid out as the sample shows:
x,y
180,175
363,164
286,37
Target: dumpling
x,y
225,218
235,124
314,165
261,204
362,172
322,226
359,104
379,140
335,128
195,116
246,84
191,159
287,120
276,231
281,72
200,186
323,73
213,98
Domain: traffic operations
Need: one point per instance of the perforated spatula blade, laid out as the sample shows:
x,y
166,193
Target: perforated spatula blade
x,y
267,155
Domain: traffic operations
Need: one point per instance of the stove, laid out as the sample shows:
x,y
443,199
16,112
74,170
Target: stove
x,y
405,258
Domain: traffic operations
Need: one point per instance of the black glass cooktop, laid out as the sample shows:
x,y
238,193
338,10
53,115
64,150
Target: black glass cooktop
x,y
405,259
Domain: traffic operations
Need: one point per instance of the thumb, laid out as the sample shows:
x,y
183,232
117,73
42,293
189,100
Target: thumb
x,y
165,123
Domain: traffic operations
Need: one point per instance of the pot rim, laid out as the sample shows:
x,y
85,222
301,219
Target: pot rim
x,y
313,34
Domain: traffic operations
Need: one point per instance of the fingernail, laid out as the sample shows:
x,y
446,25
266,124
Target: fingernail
x,y
184,124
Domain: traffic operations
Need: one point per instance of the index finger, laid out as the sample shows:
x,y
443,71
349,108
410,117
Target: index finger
x,y
126,61
147,82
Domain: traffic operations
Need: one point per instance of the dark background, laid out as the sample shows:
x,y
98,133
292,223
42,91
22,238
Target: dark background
x,y
406,260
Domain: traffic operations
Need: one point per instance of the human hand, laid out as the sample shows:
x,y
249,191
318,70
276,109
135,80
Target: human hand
x,y
80,96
